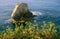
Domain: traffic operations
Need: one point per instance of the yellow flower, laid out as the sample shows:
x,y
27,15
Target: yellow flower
x,y
24,32
17,29
32,35
52,24
30,29
30,32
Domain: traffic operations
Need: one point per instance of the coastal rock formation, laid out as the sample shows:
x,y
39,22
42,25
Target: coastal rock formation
x,y
21,12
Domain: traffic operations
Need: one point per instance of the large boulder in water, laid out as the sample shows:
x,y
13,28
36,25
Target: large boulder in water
x,y
21,12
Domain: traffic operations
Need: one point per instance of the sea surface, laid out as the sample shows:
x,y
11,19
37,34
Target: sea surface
x,y
46,10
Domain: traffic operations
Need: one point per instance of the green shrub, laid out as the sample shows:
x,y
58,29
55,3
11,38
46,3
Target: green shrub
x,y
31,31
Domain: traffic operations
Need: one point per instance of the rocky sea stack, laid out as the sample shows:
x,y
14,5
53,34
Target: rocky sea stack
x,y
21,13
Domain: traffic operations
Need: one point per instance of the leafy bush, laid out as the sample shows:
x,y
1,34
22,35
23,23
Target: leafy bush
x,y
31,31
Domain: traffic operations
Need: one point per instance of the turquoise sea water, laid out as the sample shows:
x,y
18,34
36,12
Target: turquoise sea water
x,y
46,10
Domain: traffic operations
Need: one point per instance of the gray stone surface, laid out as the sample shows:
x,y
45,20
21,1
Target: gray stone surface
x,y
21,12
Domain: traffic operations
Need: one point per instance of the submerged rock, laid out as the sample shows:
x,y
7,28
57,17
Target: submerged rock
x,y
21,12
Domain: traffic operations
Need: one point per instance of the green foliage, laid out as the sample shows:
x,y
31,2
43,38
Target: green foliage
x,y
31,31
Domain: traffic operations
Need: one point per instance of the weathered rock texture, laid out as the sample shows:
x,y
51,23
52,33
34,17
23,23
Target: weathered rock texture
x,y
21,12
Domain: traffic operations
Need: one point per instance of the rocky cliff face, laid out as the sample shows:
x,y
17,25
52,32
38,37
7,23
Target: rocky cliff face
x,y
21,12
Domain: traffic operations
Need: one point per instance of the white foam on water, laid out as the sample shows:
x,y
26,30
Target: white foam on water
x,y
8,21
37,13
